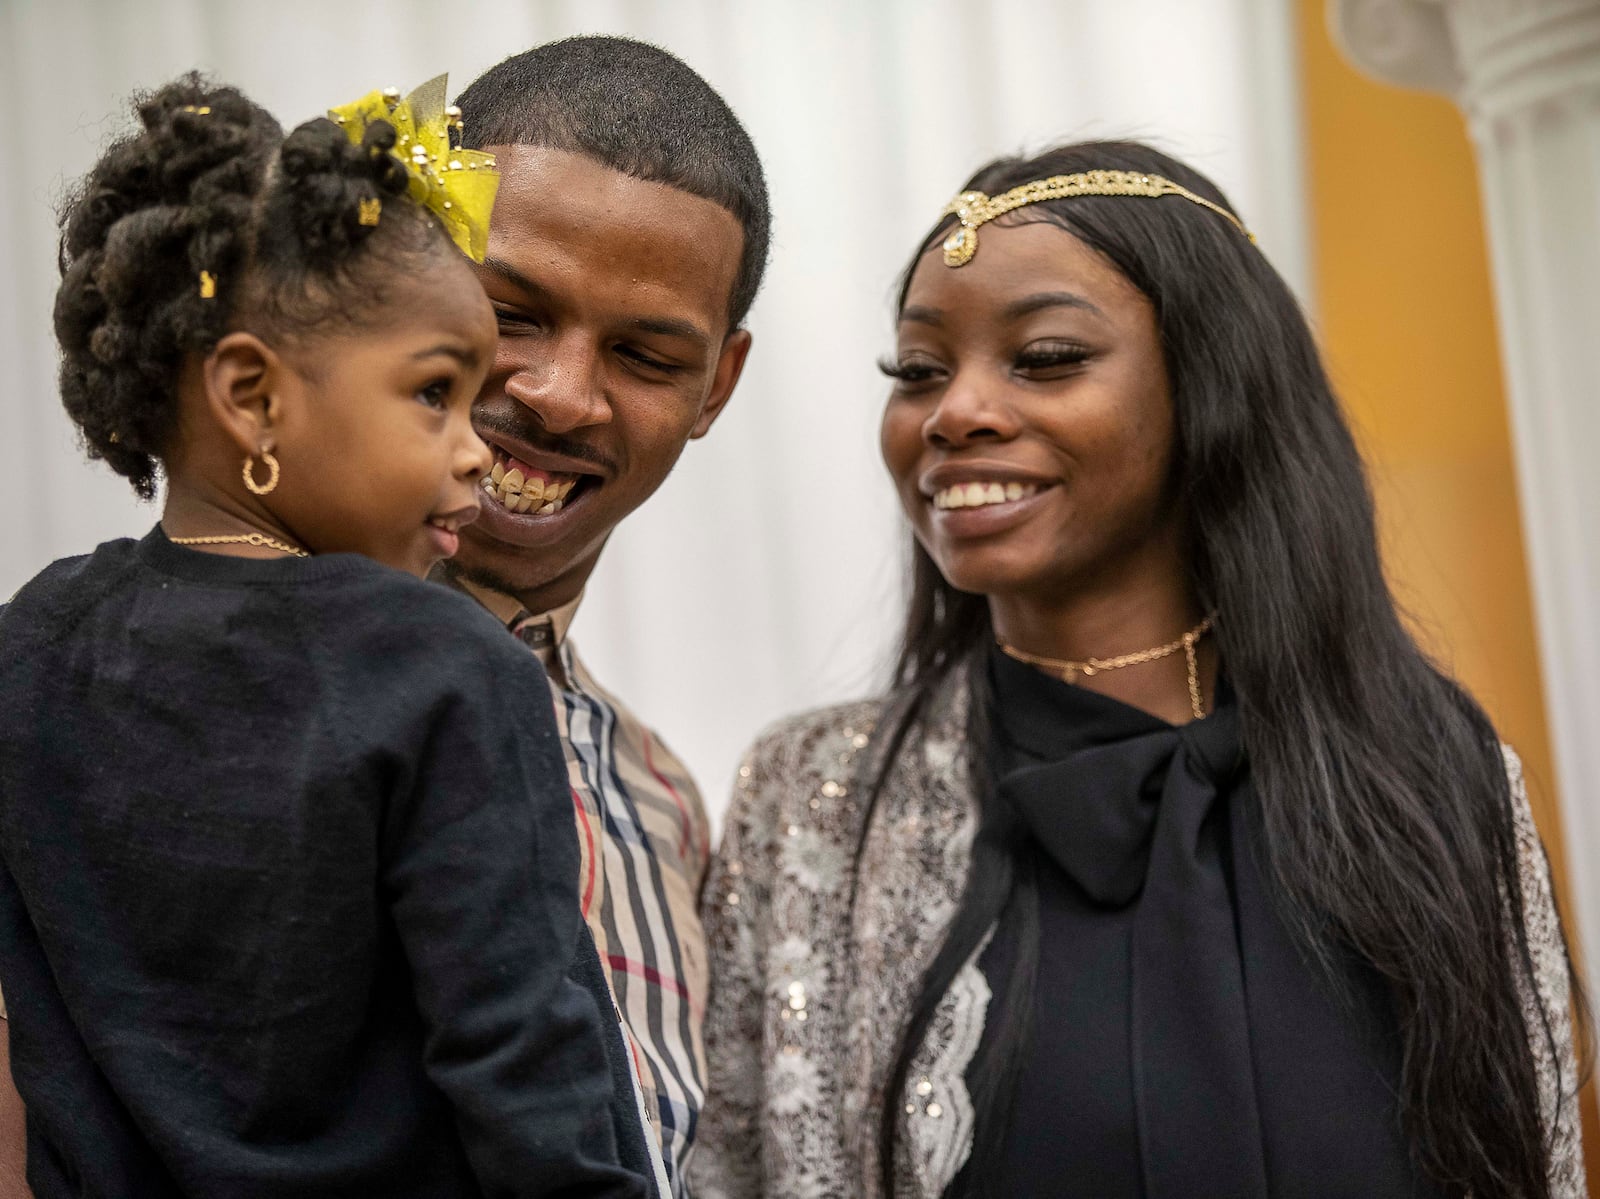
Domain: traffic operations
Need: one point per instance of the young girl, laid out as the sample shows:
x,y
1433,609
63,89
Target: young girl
x,y
288,901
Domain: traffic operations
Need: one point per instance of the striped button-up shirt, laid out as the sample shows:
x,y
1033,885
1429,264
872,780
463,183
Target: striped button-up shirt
x,y
645,844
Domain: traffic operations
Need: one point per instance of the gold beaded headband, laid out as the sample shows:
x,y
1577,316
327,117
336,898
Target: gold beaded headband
x,y
975,208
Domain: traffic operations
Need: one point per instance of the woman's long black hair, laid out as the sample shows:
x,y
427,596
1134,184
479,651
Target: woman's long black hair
x,y
1387,813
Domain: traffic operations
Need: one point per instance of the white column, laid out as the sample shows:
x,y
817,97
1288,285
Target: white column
x,y
1527,75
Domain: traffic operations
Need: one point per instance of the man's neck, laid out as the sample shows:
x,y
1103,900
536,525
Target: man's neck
x,y
504,607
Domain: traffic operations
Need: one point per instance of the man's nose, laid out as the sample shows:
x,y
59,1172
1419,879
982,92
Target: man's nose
x,y
563,386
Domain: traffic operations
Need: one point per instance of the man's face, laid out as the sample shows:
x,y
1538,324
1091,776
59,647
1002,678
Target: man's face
x,y
611,295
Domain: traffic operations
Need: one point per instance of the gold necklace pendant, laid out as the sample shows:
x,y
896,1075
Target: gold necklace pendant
x,y
1069,671
260,540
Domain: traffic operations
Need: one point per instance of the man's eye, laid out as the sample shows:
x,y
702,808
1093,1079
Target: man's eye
x,y
639,358
512,321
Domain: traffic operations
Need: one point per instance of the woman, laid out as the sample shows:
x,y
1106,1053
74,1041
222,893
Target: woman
x,y
1170,866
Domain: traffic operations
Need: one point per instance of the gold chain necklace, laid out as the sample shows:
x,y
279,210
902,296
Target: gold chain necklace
x,y
256,539
1068,670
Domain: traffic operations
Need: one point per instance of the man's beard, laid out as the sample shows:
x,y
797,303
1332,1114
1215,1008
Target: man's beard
x,y
452,573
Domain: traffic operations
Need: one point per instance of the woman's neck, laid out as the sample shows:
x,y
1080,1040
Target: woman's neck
x,y
1111,624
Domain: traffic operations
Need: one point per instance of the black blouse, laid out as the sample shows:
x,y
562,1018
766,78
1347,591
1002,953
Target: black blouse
x,y
1181,1045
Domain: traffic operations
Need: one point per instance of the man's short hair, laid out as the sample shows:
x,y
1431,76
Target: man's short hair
x,y
638,110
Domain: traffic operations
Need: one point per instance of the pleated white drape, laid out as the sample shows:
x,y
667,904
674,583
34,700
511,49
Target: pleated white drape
x,y
766,574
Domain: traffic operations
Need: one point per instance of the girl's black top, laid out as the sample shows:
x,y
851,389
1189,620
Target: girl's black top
x,y
1181,1047
288,901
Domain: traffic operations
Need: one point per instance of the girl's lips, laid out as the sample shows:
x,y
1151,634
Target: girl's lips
x,y
446,542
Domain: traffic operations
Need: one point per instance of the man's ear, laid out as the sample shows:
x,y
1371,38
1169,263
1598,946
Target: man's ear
x,y
242,377
730,365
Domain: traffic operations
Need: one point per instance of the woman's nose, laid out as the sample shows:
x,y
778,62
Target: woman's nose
x,y
970,409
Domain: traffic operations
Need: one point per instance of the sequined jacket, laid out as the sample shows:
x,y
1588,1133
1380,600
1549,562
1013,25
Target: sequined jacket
x,y
808,998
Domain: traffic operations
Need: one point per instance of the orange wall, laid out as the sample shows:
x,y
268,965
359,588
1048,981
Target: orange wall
x,y
1404,307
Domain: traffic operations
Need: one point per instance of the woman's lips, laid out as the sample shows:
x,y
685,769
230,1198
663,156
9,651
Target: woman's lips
x,y
985,518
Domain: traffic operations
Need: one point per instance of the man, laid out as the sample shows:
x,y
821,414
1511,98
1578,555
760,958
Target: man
x,y
628,240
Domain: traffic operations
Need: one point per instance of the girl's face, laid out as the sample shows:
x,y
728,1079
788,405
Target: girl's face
x,y
1030,429
376,446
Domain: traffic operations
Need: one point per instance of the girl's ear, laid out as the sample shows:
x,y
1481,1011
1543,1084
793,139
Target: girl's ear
x,y
243,378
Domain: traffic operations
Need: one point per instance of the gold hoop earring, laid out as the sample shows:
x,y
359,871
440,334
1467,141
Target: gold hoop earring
x,y
250,474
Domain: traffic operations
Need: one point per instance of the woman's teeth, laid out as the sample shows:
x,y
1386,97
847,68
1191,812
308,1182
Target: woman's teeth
x,y
977,495
517,492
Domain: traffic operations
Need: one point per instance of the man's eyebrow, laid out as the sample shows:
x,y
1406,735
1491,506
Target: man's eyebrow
x,y
1049,299
670,326
513,276
666,326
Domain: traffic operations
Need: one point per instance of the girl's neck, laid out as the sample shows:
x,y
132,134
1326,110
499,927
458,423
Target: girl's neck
x,y
192,510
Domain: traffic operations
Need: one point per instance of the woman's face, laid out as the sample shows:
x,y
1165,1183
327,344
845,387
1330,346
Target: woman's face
x,y
1030,429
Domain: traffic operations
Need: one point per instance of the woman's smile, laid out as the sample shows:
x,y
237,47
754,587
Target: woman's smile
x,y
1030,438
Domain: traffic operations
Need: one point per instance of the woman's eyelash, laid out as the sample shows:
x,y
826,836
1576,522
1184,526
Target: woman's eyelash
x,y
905,371
1063,355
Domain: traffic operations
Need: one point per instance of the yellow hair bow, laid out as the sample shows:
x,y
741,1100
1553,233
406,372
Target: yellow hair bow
x,y
457,186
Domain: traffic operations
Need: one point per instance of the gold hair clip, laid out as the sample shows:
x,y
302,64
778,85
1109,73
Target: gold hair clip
x,y
203,110
973,209
457,186
208,285
368,211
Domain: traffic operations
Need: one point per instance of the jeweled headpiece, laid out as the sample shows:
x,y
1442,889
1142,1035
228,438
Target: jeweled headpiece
x,y
975,208
456,185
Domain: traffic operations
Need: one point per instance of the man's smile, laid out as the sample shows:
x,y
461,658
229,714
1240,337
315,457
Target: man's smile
x,y
521,487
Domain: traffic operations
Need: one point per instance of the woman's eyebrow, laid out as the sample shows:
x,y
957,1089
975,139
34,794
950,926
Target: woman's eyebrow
x,y
1050,299
922,315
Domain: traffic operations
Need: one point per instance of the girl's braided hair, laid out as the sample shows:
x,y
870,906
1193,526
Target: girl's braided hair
x,y
209,183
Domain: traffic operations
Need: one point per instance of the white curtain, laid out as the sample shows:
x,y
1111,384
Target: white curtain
x,y
765,577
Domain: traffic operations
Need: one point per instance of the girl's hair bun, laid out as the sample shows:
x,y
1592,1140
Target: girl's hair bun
x,y
207,216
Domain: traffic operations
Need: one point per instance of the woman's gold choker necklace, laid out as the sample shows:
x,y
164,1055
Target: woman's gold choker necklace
x,y
256,539
1069,671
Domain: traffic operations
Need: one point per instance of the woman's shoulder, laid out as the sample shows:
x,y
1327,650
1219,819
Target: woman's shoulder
x,y
811,740
802,767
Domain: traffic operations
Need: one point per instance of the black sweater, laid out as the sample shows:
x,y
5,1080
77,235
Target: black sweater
x,y
288,904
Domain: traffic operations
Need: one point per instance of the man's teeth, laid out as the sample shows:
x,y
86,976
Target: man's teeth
x,y
516,492
977,495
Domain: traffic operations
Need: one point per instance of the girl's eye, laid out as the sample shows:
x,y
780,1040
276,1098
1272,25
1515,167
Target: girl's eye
x,y
908,372
436,394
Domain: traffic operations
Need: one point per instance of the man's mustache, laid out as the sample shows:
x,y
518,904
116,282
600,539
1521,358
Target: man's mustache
x,y
521,425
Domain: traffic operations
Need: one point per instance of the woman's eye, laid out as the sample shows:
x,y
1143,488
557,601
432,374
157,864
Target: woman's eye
x,y
1051,357
908,371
